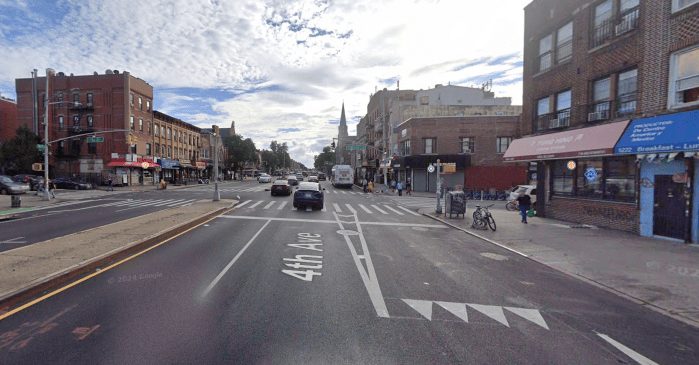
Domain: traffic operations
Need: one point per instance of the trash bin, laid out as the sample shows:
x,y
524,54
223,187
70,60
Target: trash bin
x,y
455,204
16,201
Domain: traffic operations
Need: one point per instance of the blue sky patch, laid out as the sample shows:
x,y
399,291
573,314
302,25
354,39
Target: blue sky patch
x,y
288,130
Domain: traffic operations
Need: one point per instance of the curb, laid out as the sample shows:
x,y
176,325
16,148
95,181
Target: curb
x,y
52,280
609,289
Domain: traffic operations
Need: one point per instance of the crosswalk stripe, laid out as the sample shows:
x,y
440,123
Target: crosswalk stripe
x,y
352,192
335,192
256,204
389,208
337,208
324,210
167,202
282,205
351,209
365,209
269,205
181,203
379,209
241,204
343,192
408,210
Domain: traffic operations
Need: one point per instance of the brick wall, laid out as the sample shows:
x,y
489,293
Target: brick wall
x,y
624,217
8,120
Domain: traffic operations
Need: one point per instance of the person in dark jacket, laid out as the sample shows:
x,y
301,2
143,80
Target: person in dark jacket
x,y
524,202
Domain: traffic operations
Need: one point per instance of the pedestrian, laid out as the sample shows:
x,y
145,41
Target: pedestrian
x,y
524,202
400,188
393,185
364,185
52,190
407,186
110,187
371,186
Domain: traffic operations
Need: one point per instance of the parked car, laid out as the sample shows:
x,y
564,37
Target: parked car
x,y
527,189
309,194
264,178
281,187
67,183
313,178
321,177
34,180
299,177
7,186
292,180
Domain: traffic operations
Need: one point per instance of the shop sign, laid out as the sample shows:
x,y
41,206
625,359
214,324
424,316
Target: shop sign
x,y
186,162
679,178
571,165
591,174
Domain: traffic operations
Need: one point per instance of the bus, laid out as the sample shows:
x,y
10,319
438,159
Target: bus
x,y
342,176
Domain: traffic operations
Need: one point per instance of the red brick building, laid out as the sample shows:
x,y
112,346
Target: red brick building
x,y
591,70
8,119
79,105
473,144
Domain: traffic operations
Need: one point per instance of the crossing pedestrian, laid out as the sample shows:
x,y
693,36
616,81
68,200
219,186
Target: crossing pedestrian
x,y
407,186
364,185
110,187
371,186
400,188
393,185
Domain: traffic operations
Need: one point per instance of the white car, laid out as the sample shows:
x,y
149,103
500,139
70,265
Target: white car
x,y
264,178
527,189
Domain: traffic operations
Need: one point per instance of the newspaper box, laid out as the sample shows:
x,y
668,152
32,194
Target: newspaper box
x,y
455,204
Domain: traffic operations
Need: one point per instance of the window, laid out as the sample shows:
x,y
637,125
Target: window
x,y
562,178
163,153
92,148
175,155
564,42
60,122
162,131
589,189
140,103
620,180
190,139
502,143
429,145
148,149
157,148
169,133
169,151
545,53
600,95
626,92
76,121
76,99
140,125
131,96
89,99
180,136
132,126
157,130
684,78
678,5
90,122
603,23
60,100
562,110
611,21
148,106
149,127
405,148
467,145
134,149
61,145
615,179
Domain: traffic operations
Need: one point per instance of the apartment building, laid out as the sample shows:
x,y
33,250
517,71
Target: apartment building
x,y
611,99
176,145
8,119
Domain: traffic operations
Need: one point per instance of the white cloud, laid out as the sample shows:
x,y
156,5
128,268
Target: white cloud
x,y
305,56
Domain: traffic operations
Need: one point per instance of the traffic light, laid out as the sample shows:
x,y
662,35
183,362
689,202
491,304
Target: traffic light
x,y
128,139
385,150
134,139
215,130
332,145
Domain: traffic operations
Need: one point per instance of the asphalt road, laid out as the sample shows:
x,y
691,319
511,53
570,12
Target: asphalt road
x,y
362,282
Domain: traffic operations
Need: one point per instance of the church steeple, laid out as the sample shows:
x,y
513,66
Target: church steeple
x,y
343,122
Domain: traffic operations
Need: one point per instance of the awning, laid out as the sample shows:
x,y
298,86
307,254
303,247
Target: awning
x,y
140,164
201,165
584,142
168,164
667,133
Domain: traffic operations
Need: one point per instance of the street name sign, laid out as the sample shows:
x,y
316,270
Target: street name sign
x,y
95,139
41,147
360,147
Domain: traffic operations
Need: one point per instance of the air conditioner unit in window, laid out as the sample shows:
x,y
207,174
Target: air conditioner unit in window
x,y
468,150
622,27
600,115
554,123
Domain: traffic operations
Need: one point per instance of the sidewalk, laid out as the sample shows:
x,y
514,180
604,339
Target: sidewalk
x,y
659,274
29,270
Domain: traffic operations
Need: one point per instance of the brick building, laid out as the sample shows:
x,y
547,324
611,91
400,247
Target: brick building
x,y
603,82
8,119
474,145
80,105
176,146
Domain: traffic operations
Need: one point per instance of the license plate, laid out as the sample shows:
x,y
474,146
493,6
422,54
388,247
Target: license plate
x,y
308,195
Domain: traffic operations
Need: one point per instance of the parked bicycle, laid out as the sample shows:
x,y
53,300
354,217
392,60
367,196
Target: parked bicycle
x,y
511,206
482,217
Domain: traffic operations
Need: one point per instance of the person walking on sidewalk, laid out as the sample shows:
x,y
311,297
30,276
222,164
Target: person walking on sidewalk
x,y
400,189
393,185
371,186
364,185
407,186
524,202
110,187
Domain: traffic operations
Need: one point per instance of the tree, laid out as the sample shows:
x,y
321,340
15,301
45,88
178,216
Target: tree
x,y
270,161
281,151
240,151
326,155
19,153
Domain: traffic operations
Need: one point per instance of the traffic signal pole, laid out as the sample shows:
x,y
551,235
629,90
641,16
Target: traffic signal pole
x,y
217,194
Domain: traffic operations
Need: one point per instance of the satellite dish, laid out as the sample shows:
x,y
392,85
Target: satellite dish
x,y
109,72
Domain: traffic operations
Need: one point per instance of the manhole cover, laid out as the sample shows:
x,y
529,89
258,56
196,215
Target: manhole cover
x,y
493,256
420,229
348,232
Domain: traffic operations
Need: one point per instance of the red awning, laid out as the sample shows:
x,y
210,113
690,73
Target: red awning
x,y
142,164
584,142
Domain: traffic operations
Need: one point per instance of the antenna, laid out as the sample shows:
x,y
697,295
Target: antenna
x,y
487,86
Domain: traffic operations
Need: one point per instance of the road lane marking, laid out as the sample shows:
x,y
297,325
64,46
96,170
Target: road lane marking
x,y
178,203
241,204
409,211
441,226
138,205
379,209
365,209
14,240
282,205
630,353
165,202
389,208
337,208
351,209
269,205
351,192
324,209
256,204
368,276
213,283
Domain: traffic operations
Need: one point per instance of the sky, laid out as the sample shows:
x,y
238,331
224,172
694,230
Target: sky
x,y
280,69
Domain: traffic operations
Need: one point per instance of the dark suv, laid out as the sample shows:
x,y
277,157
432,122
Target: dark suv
x,y
309,194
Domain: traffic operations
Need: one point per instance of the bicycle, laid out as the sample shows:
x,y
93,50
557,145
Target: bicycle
x,y
482,217
511,206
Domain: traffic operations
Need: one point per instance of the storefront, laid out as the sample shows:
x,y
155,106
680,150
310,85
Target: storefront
x,y
201,166
416,168
666,149
170,170
579,179
138,172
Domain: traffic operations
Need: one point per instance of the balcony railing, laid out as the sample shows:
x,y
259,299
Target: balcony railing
x,y
614,26
555,120
601,111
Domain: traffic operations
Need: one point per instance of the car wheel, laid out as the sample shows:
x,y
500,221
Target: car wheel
x,y
76,187
3,191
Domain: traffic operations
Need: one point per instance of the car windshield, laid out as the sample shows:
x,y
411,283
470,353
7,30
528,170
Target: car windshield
x,y
5,179
280,182
308,186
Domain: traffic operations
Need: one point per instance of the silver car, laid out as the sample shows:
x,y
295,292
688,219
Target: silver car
x,y
7,186
264,178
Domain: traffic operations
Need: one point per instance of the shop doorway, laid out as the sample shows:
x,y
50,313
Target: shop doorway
x,y
669,208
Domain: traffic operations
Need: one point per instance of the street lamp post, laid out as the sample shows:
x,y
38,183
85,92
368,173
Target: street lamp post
x,y
46,137
439,190
217,194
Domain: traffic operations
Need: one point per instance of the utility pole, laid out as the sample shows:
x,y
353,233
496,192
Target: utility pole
x,y
46,137
439,190
217,194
